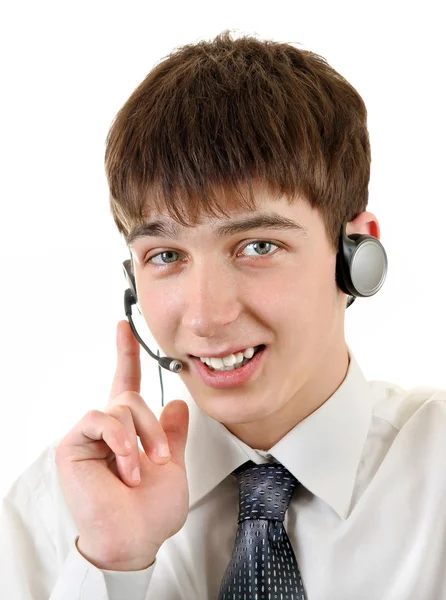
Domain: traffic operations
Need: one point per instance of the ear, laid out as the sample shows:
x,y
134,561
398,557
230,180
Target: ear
x,y
365,223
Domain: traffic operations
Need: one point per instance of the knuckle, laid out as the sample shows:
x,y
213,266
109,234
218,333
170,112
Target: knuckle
x,y
119,410
127,398
93,415
100,419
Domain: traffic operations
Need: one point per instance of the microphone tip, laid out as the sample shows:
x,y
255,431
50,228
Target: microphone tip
x,y
176,366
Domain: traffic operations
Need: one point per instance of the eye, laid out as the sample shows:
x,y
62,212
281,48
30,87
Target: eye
x,y
168,256
262,246
167,253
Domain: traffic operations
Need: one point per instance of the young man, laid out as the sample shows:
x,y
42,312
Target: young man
x,y
233,169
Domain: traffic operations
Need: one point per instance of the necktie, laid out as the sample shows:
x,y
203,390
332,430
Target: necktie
x,y
263,565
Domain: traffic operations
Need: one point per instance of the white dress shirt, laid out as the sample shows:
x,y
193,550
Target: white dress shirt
x,y
368,521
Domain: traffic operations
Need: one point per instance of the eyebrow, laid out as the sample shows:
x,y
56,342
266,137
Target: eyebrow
x,y
173,230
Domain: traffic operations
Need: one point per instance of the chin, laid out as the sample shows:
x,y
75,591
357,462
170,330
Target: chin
x,y
229,409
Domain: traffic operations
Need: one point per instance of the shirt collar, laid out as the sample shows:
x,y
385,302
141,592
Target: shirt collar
x,y
322,451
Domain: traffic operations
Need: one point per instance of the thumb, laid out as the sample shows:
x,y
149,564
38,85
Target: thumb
x,y
175,421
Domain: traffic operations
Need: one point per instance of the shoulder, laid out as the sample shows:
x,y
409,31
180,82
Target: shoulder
x,y
409,407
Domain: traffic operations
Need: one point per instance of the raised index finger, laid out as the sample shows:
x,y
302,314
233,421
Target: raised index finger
x,y
128,370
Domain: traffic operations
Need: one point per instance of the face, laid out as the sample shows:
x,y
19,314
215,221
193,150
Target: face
x,y
202,295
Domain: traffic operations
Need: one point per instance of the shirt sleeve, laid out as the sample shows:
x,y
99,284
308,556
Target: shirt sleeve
x,y
93,583
122,585
33,567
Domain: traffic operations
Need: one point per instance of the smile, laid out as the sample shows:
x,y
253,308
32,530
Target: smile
x,y
231,376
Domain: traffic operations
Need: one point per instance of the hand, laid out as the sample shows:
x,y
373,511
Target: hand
x,y
122,523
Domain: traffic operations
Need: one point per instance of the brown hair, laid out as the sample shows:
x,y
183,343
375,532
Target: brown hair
x,y
214,116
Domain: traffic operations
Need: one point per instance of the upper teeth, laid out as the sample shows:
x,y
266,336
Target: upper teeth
x,y
230,360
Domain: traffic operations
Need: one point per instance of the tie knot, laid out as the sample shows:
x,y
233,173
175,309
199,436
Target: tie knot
x,y
264,491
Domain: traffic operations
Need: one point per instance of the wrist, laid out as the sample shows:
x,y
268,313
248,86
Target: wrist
x,y
135,564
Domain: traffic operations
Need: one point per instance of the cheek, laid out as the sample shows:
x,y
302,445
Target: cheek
x,y
306,302
159,309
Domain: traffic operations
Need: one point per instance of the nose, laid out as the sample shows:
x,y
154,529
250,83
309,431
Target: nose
x,y
211,299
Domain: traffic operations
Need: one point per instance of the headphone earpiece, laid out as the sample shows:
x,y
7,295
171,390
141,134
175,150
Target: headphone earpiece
x,y
361,264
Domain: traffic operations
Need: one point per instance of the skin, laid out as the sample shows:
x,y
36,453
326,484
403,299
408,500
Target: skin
x,y
223,292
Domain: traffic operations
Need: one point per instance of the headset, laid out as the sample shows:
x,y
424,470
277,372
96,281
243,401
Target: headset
x,y
361,268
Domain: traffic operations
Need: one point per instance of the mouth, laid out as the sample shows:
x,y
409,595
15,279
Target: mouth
x,y
237,375
245,360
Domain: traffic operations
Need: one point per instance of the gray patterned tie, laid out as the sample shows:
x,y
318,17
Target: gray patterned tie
x,y
263,565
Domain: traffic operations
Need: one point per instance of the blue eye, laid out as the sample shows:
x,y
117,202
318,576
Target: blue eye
x,y
264,249
263,246
166,252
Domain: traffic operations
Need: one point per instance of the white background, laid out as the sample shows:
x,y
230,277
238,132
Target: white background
x,y
67,67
